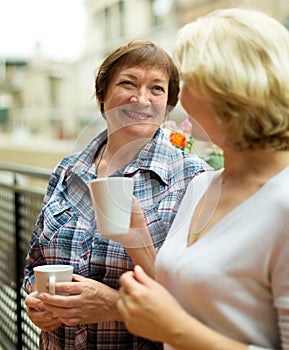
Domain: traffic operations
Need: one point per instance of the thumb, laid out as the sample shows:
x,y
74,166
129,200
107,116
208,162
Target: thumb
x,y
141,276
137,215
78,278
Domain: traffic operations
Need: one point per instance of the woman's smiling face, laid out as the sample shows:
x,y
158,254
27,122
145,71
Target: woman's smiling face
x,y
136,100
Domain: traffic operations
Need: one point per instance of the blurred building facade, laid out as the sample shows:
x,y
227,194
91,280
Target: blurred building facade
x,y
55,100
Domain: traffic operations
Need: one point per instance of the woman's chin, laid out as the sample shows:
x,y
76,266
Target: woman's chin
x,y
142,130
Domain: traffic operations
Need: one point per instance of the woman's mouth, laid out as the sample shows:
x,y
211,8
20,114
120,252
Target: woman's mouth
x,y
137,115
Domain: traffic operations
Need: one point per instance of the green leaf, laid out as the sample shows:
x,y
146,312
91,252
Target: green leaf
x,y
215,160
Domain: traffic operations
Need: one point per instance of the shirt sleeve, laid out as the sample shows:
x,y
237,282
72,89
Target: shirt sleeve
x,y
34,256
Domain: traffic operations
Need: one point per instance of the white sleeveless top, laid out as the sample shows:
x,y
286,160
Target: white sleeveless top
x,y
235,278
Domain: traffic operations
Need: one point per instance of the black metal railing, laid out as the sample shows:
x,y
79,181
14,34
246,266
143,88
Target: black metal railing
x,y
21,194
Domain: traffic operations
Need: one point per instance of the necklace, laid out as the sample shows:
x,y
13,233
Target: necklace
x,y
100,158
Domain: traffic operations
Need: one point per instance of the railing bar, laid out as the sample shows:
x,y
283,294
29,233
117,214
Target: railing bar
x,y
26,170
19,189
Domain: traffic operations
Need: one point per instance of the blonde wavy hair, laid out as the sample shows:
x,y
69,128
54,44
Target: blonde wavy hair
x,y
239,60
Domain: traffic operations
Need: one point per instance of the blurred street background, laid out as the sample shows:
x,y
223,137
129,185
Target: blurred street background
x,y
50,50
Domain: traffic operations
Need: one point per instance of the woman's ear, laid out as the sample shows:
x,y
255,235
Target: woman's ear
x,y
99,99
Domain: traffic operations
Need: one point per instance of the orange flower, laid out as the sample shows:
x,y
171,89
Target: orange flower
x,y
178,139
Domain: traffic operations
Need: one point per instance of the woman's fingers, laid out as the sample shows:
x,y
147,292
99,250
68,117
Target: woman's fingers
x,y
142,277
134,280
127,282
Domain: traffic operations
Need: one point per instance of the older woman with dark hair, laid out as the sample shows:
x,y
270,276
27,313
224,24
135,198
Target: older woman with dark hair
x,y
136,86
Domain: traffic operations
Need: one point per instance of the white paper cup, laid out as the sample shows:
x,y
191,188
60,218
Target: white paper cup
x,y
51,274
112,202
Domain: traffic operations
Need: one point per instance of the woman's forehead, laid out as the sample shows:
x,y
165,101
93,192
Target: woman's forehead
x,y
154,70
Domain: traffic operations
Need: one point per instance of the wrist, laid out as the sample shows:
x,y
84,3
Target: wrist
x,y
137,238
112,312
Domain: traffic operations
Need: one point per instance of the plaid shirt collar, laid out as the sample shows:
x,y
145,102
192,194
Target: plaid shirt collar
x,y
84,162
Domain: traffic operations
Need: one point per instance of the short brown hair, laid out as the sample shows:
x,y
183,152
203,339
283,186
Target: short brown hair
x,y
137,53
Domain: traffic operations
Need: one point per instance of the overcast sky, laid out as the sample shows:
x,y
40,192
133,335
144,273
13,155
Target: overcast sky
x,y
58,25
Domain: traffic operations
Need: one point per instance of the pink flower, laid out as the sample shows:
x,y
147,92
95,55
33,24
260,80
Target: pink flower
x,y
169,124
187,126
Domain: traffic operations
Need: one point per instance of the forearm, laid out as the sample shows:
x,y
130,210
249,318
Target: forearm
x,y
189,333
145,257
139,245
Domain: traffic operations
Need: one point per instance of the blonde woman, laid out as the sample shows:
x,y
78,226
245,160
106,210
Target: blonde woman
x,y
223,272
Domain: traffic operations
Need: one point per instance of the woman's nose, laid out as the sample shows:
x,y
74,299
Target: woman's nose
x,y
140,96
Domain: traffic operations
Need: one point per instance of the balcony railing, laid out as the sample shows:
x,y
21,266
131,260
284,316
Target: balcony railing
x,y
21,194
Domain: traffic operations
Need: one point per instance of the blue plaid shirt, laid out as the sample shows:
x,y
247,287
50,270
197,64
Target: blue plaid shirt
x,y
66,233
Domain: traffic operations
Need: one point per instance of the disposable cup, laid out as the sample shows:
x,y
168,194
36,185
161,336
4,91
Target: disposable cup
x,y
112,202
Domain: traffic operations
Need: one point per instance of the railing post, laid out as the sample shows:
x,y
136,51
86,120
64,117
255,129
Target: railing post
x,y
18,263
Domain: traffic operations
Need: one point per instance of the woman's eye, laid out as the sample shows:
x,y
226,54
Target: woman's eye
x,y
158,89
126,83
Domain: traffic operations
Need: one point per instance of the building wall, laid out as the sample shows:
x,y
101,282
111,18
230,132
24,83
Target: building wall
x,y
157,20
57,99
